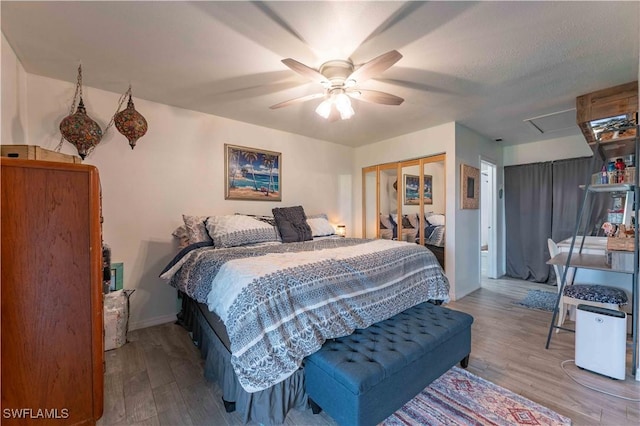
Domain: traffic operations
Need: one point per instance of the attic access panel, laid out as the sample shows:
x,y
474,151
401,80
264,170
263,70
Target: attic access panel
x,y
554,122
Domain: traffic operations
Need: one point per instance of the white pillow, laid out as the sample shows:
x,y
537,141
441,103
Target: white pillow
x,y
196,228
239,230
320,226
385,221
436,219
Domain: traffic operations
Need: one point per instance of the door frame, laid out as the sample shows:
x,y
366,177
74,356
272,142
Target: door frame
x,y
492,237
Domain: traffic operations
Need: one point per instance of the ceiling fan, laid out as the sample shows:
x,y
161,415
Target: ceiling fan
x,y
339,79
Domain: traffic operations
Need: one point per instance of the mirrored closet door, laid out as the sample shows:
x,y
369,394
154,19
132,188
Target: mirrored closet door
x,y
406,201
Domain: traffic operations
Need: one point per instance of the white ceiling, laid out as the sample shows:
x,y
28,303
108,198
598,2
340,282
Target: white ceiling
x,y
486,65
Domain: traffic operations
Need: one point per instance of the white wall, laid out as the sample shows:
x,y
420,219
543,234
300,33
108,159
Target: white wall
x,y
176,168
471,148
549,150
14,97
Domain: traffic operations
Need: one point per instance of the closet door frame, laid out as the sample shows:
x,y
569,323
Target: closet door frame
x,y
398,166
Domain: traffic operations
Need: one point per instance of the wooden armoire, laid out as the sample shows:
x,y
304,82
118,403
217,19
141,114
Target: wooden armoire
x,y
51,291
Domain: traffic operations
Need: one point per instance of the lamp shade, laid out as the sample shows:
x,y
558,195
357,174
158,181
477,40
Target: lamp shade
x,y
324,109
131,123
81,131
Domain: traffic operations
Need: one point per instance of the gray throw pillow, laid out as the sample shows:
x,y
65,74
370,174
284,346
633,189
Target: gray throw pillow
x,y
292,224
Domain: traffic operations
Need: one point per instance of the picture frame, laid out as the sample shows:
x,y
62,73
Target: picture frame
x,y
117,275
469,187
411,194
252,174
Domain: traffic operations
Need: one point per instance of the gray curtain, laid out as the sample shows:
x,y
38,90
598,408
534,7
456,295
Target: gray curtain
x,y
568,175
528,206
542,200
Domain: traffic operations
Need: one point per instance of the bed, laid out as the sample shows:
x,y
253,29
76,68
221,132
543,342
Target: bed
x,y
258,303
434,231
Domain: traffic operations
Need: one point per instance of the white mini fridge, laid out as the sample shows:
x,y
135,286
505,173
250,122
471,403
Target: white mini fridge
x,y
601,340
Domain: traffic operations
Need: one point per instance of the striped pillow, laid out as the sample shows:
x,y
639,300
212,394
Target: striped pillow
x,y
239,230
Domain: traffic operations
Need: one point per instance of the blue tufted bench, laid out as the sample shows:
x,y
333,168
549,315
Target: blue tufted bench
x,y
363,378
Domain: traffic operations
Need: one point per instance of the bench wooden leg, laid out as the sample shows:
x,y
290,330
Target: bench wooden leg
x,y
229,406
315,408
464,363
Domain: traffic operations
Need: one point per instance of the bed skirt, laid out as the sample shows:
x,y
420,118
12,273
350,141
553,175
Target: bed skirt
x,y
269,406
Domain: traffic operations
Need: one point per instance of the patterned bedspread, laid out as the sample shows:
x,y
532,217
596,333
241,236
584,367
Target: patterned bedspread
x,y
281,302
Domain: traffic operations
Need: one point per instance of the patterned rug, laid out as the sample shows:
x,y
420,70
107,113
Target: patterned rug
x,y
539,299
461,398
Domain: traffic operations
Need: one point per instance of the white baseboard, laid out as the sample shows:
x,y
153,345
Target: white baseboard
x,y
152,321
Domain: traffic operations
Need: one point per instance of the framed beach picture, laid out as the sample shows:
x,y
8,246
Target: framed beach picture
x,y
411,193
470,191
252,174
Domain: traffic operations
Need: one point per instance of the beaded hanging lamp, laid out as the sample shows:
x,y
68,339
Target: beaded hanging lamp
x,y
131,123
78,128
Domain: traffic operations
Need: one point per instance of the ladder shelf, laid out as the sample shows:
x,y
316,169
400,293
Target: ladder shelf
x,y
575,258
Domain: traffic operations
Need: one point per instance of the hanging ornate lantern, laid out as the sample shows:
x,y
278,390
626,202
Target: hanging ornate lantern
x,y
78,128
81,131
131,123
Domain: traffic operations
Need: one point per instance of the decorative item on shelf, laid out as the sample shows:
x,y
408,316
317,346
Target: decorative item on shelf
x,y
619,237
341,230
130,122
78,128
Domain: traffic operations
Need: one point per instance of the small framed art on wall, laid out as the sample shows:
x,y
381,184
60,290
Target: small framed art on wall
x,y
470,187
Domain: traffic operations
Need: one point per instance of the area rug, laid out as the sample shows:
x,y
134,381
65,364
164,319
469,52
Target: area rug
x,y
461,398
539,299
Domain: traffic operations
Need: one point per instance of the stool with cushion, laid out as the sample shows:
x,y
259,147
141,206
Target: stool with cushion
x,y
583,294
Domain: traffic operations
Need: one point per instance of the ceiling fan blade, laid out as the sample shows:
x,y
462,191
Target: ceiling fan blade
x,y
305,71
375,66
297,100
375,97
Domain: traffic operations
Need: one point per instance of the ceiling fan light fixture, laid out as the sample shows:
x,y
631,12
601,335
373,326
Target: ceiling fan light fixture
x,y
343,105
324,109
342,100
346,112
339,78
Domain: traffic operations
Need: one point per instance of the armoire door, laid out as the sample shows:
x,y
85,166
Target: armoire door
x,y
51,300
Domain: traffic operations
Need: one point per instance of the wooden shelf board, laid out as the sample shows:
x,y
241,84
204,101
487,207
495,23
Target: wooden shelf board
x,y
586,261
609,187
616,147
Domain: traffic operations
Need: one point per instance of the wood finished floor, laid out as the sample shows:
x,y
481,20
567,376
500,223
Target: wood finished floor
x,y
157,378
